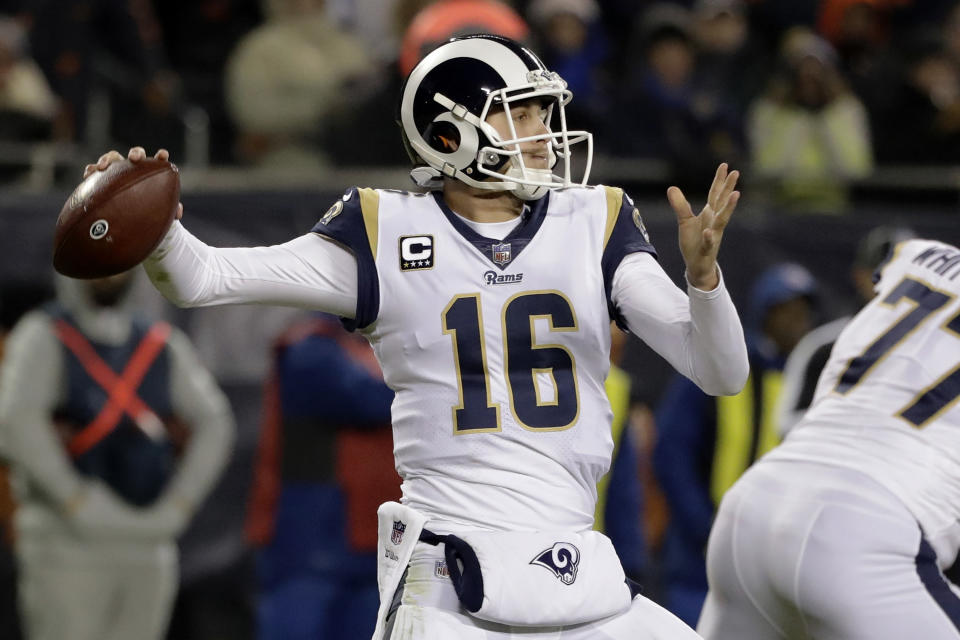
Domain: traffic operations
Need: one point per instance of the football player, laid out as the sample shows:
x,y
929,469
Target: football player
x,y
844,530
806,361
488,300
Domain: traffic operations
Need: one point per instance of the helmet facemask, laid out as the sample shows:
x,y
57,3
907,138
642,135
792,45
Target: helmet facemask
x,y
529,183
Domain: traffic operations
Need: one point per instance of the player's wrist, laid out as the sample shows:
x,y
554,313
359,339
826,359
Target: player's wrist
x,y
706,280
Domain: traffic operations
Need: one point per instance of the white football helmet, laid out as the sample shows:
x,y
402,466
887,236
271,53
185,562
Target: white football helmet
x,y
446,99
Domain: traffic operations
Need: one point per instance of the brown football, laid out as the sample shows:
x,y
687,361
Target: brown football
x,y
116,218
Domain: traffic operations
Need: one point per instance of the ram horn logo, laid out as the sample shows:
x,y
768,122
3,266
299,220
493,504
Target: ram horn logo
x,y
638,221
563,559
99,229
335,209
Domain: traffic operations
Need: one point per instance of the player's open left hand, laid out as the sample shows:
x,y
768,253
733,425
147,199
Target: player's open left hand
x,y
135,154
700,234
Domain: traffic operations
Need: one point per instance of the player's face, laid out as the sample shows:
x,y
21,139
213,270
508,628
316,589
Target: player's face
x,y
529,119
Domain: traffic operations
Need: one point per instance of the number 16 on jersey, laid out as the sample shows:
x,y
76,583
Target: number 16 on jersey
x,y
526,363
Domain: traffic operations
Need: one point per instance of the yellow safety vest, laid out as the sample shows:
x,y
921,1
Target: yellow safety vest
x,y
742,435
618,393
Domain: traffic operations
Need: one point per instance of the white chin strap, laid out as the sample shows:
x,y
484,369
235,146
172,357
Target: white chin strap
x,y
522,173
526,191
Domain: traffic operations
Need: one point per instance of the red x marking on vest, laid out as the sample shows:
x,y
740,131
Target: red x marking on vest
x,y
122,390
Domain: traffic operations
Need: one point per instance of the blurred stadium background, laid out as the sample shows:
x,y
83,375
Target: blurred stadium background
x,y
271,109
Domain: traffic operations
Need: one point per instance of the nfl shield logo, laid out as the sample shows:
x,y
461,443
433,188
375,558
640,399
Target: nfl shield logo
x,y
501,253
398,529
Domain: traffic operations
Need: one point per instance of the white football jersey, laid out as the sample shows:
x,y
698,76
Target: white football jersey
x,y
497,349
886,402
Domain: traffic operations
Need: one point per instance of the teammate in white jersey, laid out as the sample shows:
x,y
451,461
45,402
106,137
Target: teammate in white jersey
x,y
844,530
488,302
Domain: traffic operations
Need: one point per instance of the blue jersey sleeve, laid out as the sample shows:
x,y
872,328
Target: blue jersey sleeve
x,y
625,234
352,222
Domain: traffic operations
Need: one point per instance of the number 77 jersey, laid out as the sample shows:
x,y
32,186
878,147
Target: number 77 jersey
x,y
497,349
887,400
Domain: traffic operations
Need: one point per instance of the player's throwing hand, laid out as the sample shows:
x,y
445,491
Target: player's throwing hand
x,y
135,154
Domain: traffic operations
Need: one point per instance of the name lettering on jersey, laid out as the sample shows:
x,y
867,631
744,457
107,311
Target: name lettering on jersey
x,y
492,277
333,211
501,253
940,260
416,253
562,559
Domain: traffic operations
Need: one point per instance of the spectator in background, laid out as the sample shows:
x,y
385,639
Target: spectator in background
x,y
287,79
809,134
666,114
573,44
115,432
112,45
770,19
439,21
859,30
706,443
27,104
198,36
16,298
924,125
325,464
619,511
730,67
373,21
839,20
806,361
653,508
617,18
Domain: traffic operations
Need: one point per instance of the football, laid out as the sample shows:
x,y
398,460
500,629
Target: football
x,y
116,218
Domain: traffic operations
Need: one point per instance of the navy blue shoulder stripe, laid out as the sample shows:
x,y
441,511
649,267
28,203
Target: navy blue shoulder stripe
x,y
625,234
353,221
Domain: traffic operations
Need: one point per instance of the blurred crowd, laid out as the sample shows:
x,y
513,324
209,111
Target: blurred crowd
x,y
809,95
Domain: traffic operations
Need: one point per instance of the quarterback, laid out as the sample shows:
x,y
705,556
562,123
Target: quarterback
x,y
487,299
844,530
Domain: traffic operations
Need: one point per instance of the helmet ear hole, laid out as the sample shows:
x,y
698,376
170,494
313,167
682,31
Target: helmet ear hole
x,y
453,142
443,136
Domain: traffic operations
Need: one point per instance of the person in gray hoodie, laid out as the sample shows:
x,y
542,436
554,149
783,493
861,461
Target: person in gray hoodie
x,y
115,433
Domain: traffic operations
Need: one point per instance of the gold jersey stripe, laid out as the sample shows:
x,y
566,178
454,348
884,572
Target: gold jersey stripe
x,y
370,206
614,202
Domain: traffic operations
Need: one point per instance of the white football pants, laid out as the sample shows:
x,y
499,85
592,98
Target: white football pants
x,y
429,610
803,550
